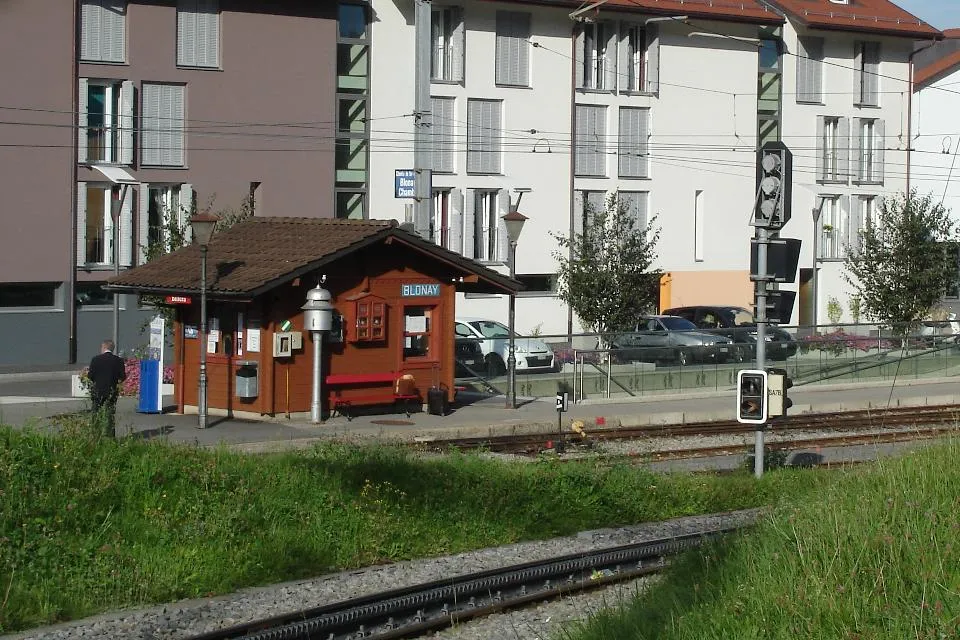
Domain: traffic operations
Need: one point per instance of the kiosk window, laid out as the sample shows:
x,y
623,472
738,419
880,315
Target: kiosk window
x,y
417,323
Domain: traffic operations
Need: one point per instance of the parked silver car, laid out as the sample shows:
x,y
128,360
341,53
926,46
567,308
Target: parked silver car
x,y
669,338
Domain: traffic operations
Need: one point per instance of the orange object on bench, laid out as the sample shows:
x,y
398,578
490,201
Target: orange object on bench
x,y
403,388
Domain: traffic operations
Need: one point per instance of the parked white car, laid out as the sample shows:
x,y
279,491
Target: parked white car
x,y
532,353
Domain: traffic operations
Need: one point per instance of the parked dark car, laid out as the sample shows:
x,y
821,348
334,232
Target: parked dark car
x,y
469,358
669,338
740,326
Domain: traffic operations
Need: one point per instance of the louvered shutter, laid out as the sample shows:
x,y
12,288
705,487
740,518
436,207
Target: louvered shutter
x,y
653,58
90,29
150,125
176,122
512,54
143,220
469,224
185,212
474,137
441,131
633,142
578,213
598,122
596,203
82,106
503,240
642,207
113,22
457,45
125,231
126,122
858,72
494,136
456,221
580,141
845,218
822,149
580,57
856,147
843,150
186,33
809,69
871,73
854,226
624,60
878,150
81,224
610,57
208,33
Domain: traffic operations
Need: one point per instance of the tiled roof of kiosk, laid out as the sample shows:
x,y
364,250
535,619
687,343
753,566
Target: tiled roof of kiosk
x,y
261,252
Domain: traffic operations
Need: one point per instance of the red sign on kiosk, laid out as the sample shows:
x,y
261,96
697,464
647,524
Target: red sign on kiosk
x,y
178,300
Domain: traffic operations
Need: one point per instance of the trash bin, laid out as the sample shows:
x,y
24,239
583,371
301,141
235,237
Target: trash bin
x,y
438,404
247,380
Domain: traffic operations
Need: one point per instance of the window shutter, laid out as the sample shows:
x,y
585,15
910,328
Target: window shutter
x,y
624,60
486,138
871,77
503,240
208,33
457,45
176,124
653,58
473,136
441,131
456,221
854,226
512,52
143,220
809,69
815,67
856,146
580,140
493,135
643,144
821,148
843,150
126,122
580,57
186,210
578,210
596,202
90,30
858,72
878,149
599,156
126,227
469,224
633,142
642,207
81,224
150,125
186,33
113,22
82,95
845,216
610,58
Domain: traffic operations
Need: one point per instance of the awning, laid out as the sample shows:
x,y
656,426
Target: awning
x,y
116,175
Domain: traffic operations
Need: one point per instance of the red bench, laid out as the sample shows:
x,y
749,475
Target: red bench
x,y
374,396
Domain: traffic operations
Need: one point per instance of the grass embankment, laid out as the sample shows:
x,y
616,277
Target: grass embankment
x,y
874,557
88,525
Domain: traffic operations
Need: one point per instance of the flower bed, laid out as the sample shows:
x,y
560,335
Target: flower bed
x,y
838,341
130,386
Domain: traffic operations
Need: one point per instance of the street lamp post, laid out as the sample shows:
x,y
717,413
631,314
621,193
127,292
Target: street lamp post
x,y
513,221
203,225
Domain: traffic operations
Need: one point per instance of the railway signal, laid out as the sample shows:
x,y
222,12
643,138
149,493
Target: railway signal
x,y
774,178
752,396
777,384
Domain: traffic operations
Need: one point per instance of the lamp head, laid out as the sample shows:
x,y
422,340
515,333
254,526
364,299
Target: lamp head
x,y
203,225
514,222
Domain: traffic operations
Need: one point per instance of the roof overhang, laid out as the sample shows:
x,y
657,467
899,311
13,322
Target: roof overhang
x,y
115,175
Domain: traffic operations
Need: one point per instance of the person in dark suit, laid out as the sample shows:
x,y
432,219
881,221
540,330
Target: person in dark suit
x,y
106,372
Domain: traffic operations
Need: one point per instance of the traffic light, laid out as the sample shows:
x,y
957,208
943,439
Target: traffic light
x,y
777,384
752,396
774,178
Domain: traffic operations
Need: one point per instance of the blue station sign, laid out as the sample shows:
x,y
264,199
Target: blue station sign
x,y
420,290
404,182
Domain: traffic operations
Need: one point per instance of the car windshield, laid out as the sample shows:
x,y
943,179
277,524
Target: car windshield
x,y
490,329
741,317
677,324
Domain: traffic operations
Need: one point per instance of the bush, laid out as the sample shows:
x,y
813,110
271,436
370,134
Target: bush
x,y
130,386
838,341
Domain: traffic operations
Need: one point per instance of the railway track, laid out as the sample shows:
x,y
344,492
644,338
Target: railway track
x,y
894,419
415,611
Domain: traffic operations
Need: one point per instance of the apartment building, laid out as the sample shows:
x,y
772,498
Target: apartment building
x,y
119,115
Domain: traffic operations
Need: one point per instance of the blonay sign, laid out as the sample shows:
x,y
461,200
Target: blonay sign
x,y
404,182
419,290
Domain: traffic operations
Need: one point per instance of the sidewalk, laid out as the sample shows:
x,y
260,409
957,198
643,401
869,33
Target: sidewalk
x,y
476,416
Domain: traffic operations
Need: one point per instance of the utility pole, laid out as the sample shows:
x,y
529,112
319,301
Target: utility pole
x,y
422,121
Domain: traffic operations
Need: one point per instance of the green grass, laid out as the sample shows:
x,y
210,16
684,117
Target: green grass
x,y
90,525
872,557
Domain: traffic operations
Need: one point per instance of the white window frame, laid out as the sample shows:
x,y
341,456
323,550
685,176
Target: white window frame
x,y
633,142
108,253
198,34
162,134
596,63
489,234
590,135
442,216
175,200
103,31
833,150
839,227
484,135
868,147
116,145
512,58
447,44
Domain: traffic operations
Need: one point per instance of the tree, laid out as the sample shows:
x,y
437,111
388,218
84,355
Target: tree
x,y
604,271
905,262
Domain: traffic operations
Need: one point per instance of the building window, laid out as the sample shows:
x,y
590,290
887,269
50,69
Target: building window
x,y
632,150
769,54
447,40
198,33
868,146
92,294
537,285
590,141
95,225
840,227
634,205
350,204
417,331
486,217
596,64
352,115
103,30
587,206
832,149
810,70
162,120
442,132
353,52
14,295
442,213
106,121
483,136
513,48
867,70
351,160
166,210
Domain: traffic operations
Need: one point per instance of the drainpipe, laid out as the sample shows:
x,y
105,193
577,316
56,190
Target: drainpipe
x,y
72,275
573,132
910,108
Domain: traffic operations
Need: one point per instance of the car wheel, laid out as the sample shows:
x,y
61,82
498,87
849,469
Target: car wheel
x,y
683,357
495,366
